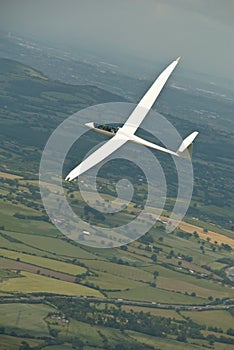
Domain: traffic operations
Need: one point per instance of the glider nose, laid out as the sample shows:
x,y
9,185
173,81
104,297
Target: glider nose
x,y
90,125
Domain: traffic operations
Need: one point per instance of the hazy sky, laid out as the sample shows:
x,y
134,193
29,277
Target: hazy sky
x,y
200,31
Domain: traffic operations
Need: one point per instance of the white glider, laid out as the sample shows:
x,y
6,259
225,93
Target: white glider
x,y
127,132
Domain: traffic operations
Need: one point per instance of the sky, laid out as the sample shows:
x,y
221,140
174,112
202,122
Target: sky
x,y
200,31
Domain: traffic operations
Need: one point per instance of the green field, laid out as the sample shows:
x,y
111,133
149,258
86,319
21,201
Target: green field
x,y
53,245
214,318
25,318
44,262
13,342
59,347
158,343
20,247
32,283
127,272
169,344
147,293
24,226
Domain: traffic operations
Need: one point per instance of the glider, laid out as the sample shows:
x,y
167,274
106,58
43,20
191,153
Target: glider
x,y
127,132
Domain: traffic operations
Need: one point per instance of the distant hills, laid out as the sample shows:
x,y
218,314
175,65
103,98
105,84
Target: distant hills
x,y
31,106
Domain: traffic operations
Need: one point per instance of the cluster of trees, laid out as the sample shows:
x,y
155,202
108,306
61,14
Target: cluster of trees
x,y
183,234
22,199
31,217
91,213
114,317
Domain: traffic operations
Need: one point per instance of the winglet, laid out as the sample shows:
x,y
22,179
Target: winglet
x,y
185,149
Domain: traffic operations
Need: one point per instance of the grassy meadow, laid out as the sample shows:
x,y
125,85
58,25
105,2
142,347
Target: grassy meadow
x,y
211,318
44,262
8,342
25,318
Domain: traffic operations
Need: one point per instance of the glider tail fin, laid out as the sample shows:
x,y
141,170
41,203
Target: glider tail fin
x,y
186,147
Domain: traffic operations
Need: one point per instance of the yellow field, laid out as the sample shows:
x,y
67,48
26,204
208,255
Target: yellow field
x,y
9,176
32,283
44,262
214,236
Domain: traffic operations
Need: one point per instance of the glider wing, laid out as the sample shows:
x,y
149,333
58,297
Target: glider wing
x,y
147,101
96,157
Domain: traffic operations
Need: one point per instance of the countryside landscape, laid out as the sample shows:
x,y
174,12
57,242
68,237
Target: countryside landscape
x,y
163,291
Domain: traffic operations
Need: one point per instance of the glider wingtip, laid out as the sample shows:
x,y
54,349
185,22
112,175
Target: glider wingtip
x,y
69,178
178,58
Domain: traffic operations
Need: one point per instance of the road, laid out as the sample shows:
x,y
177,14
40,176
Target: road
x,y
4,299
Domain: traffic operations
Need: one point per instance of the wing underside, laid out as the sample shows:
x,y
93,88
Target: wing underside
x,y
96,157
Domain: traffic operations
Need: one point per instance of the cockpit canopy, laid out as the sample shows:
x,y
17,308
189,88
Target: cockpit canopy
x,y
108,128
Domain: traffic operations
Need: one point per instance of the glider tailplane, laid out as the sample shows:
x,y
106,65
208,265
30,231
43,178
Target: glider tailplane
x,y
186,148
